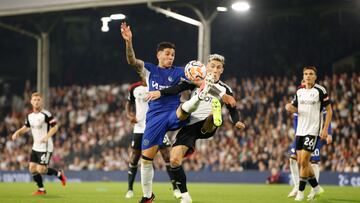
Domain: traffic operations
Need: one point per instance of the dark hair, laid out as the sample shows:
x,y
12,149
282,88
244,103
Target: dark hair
x,y
310,68
163,45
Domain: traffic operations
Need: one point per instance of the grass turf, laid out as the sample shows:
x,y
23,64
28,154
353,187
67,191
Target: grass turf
x,y
108,192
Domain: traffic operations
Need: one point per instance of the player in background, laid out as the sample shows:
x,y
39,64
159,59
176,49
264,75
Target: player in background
x,y
136,108
164,114
309,102
203,122
315,156
43,126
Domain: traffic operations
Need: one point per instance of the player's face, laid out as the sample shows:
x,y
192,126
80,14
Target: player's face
x,y
36,102
166,57
215,67
309,76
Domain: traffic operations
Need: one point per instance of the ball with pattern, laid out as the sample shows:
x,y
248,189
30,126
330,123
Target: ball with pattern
x,y
195,70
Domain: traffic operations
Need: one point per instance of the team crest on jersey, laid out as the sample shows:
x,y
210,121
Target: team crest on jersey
x,y
170,79
145,142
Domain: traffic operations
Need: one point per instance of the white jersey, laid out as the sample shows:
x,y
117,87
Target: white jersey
x,y
205,107
137,95
40,124
309,103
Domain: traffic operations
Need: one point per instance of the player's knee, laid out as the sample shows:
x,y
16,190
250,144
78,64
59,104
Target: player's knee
x,y
181,114
165,155
32,169
175,161
303,163
42,169
146,160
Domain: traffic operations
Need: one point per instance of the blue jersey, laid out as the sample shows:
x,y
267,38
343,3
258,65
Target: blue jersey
x,y
160,78
161,116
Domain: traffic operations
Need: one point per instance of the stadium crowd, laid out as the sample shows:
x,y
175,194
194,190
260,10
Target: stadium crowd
x,y
95,133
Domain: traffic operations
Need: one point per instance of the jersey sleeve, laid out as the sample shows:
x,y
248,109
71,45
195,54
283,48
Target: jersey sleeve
x,y
50,119
234,114
324,97
149,66
177,88
131,97
294,102
27,123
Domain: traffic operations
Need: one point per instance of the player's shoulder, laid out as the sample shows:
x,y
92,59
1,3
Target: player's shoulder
x,y
134,85
320,88
46,112
224,85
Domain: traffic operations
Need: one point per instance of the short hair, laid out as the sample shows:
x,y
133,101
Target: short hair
x,y
36,94
217,57
310,68
164,45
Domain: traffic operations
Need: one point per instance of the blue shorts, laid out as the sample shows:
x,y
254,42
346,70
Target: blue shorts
x,y
157,124
315,156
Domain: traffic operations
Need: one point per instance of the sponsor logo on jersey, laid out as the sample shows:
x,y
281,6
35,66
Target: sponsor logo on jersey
x,y
308,102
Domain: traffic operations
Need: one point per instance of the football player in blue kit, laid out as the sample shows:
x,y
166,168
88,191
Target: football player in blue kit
x,y
164,114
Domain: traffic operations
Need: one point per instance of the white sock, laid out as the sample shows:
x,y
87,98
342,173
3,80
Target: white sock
x,y
316,169
147,175
191,105
185,195
294,168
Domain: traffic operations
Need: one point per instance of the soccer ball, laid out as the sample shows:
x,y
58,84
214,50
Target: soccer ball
x,y
195,70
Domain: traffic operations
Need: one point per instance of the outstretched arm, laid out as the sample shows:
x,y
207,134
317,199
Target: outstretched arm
x,y
174,90
20,132
130,53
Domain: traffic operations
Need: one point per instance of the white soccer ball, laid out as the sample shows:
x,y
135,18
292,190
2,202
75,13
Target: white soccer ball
x,y
195,70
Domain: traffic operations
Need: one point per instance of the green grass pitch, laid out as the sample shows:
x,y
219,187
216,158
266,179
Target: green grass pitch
x,y
108,192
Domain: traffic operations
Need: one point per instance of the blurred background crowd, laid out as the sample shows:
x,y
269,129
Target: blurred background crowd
x,y
95,134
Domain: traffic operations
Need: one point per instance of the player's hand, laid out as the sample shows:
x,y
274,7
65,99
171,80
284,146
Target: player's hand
x,y
14,136
323,134
240,125
133,120
44,140
290,108
229,100
152,95
126,32
329,139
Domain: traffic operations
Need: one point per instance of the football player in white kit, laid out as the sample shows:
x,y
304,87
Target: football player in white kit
x,y
43,126
309,102
203,122
137,99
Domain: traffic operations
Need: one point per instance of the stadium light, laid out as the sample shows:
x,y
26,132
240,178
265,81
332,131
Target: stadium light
x,y
221,9
117,16
105,24
106,20
240,6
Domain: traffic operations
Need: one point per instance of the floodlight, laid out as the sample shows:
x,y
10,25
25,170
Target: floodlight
x,y
117,16
240,6
221,9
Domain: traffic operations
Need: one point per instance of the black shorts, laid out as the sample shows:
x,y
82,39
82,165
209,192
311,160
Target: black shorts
x,y
189,134
137,140
307,142
42,158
